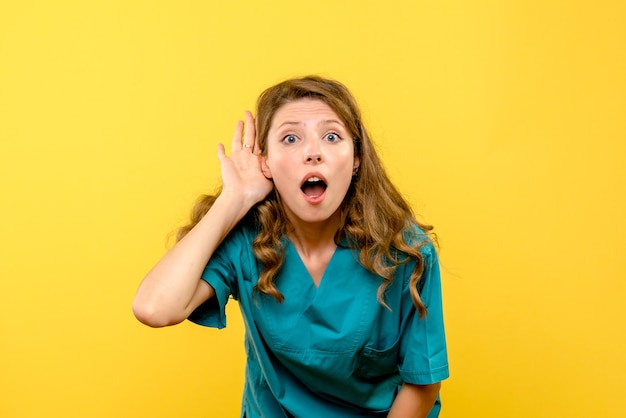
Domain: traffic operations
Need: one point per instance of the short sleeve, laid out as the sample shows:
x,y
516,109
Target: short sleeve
x,y
423,351
220,273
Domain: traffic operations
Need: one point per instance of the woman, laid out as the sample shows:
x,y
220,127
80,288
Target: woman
x,y
337,282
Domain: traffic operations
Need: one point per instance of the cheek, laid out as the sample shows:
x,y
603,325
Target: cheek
x,y
280,170
344,172
280,159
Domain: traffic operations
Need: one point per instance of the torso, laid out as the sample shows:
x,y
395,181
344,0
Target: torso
x,y
329,348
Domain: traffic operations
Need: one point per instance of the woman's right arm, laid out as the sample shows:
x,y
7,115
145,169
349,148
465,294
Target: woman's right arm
x,y
173,289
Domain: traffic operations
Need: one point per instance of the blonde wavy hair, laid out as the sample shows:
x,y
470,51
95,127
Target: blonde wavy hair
x,y
375,218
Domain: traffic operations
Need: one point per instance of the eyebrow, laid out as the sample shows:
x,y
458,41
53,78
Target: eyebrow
x,y
323,122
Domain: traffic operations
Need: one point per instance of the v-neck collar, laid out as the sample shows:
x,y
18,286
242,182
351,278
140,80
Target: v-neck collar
x,y
292,255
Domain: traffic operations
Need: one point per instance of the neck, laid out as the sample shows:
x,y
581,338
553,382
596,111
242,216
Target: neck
x,y
314,237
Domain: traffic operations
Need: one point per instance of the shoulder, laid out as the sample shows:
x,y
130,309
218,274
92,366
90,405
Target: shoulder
x,y
241,234
237,244
424,254
417,237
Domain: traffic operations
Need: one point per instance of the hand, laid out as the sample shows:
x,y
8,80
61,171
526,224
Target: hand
x,y
241,172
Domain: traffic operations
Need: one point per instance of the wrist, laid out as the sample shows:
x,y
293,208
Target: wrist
x,y
234,206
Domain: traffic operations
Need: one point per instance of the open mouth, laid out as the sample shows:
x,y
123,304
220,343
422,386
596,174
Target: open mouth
x,y
313,187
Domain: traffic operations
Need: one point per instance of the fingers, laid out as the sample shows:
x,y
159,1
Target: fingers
x,y
249,138
236,142
221,152
244,140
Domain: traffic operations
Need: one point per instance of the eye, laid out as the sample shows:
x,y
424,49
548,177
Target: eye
x,y
290,139
332,137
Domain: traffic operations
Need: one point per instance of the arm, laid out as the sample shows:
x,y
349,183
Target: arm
x,y
173,288
414,401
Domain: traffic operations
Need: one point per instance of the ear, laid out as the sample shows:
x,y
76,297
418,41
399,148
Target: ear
x,y
265,168
357,164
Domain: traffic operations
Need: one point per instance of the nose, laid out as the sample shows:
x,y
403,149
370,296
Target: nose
x,y
314,157
313,154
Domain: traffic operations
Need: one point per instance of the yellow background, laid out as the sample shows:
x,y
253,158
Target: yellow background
x,y
503,122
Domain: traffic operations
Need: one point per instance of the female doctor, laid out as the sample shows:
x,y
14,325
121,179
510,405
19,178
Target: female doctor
x,y
337,281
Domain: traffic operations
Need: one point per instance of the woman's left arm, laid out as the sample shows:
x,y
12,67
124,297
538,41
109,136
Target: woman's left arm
x,y
414,401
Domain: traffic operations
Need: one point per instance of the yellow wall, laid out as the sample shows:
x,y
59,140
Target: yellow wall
x,y
502,121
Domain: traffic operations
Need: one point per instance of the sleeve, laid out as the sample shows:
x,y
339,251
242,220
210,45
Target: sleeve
x,y
423,354
220,273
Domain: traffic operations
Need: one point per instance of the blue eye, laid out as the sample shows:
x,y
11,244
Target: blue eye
x,y
290,139
332,137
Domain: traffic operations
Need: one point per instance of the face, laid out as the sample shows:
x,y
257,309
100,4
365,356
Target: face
x,y
310,157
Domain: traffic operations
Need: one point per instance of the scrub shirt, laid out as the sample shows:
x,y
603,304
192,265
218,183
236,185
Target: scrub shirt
x,y
331,351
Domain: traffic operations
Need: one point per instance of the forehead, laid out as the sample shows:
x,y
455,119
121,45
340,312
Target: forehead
x,y
303,110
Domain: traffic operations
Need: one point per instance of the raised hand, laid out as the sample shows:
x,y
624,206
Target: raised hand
x,y
173,289
241,171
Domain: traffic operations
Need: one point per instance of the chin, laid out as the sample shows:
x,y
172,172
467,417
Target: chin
x,y
317,218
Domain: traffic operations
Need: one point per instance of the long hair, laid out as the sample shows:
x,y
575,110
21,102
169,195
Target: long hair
x,y
375,218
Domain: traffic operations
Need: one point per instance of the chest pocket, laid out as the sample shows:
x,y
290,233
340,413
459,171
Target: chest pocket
x,y
377,364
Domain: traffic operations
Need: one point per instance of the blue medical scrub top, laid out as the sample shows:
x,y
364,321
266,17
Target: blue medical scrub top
x,y
331,351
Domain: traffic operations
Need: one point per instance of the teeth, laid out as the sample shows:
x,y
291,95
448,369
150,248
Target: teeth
x,y
314,179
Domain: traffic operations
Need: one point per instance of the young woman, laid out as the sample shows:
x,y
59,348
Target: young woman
x,y
337,282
